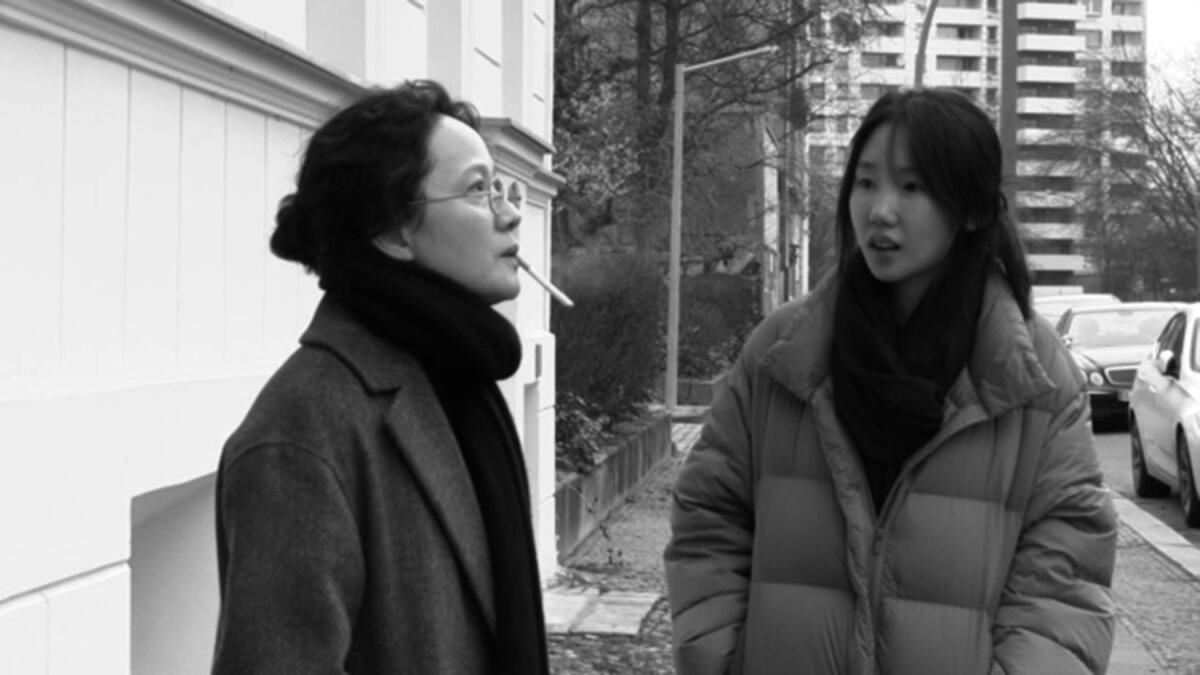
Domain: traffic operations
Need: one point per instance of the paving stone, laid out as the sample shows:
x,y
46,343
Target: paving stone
x,y
617,613
564,606
684,435
1159,602
1129,657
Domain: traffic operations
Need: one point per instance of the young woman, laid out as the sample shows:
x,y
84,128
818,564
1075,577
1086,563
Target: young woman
x,y
372,509
899,476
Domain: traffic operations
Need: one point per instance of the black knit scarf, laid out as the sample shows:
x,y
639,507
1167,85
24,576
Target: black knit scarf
x,y
889,380
465,346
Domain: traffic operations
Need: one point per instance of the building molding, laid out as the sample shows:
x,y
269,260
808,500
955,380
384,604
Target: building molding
x,y
523,152
194,46
548,182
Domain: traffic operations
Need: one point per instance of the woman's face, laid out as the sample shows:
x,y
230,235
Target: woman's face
x,y
462,238
903,233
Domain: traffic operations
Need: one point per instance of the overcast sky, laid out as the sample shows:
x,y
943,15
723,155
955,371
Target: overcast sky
x,y
1172,30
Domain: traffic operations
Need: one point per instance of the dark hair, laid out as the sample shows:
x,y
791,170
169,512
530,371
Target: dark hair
x,y
956,152
362,170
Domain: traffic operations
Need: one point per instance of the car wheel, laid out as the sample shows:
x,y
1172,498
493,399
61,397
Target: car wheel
x,y
1188,498
1144,485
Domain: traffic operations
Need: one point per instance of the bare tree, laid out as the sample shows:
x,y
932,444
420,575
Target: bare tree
x,y
1140,174
615,65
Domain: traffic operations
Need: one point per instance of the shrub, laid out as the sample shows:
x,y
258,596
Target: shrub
x,y
580,431
609,345
717,313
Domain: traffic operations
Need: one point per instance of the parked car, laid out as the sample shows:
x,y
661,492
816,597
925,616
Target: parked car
x,y
1164,415
1053,306
1108,341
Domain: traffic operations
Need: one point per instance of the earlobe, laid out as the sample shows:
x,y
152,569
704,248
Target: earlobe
x,y
395,245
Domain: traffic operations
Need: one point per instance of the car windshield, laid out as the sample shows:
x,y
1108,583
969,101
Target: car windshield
x,y
1117,327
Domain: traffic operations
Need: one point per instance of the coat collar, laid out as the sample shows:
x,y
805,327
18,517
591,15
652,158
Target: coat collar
x,y
379,365
1003,373
420,433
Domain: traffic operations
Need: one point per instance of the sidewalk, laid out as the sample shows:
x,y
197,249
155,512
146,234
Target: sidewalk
x,y
607,612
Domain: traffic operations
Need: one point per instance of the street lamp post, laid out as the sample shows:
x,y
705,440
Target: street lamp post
x,y
919,72
671,385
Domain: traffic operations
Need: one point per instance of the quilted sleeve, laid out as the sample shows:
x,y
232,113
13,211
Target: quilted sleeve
x,y
1056,612
708,557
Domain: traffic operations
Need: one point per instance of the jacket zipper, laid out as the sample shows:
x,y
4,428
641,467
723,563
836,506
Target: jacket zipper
x,y
883,519
877,546
875,564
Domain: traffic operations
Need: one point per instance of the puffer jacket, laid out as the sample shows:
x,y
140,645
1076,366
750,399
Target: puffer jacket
x,y
993,553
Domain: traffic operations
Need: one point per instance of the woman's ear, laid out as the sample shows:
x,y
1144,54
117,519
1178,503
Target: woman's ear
x,y
394,244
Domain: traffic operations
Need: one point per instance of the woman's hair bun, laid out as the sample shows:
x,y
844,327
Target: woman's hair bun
x,y
294,238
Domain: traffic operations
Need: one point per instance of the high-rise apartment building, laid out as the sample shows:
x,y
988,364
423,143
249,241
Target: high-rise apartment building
x,y
1063,49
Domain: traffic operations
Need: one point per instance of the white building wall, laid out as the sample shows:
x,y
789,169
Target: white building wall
x,y
148,145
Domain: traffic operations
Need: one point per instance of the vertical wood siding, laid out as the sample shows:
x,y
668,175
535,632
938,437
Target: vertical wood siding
x,y
201,300
540,59
31,203
152,235
94,175
142,307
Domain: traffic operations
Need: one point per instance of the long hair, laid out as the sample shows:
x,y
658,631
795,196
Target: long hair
x,y
956,152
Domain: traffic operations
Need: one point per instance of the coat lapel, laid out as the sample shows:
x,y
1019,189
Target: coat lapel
x,y
421,434
424,439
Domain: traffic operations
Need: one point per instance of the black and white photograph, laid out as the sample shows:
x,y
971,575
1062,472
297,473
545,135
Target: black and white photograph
x,y
600,337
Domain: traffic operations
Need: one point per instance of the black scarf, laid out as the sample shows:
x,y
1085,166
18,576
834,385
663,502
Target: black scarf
x,y
889,380
465,346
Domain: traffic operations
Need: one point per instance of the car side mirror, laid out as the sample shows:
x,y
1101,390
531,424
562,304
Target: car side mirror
x,y
1166,363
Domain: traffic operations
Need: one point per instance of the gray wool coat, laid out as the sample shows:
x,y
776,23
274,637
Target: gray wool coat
x,y
349,536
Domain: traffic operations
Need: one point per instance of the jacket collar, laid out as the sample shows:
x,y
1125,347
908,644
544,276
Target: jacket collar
x,y
1003,371
420,433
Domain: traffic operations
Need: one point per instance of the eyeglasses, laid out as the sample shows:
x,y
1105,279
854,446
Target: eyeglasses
x,y
495,195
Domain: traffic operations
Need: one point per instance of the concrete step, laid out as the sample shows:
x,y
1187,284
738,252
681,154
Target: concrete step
x,y
587,610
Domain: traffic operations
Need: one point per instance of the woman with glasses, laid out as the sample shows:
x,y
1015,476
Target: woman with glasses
x,y
373,514
899,475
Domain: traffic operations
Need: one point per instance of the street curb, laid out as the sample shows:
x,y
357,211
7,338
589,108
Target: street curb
x,y
1166,541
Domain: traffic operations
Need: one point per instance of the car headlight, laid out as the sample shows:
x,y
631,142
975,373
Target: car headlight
x,y
1089,371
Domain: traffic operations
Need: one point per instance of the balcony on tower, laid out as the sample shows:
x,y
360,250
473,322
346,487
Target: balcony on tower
x,y
1040,105
1049,42
1059,74
1050,11
1061,262
1060,231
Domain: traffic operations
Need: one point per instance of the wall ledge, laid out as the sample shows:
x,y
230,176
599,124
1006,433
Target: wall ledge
x,y
584,501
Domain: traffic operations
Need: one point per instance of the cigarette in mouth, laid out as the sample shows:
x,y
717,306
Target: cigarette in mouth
x,y
545,283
